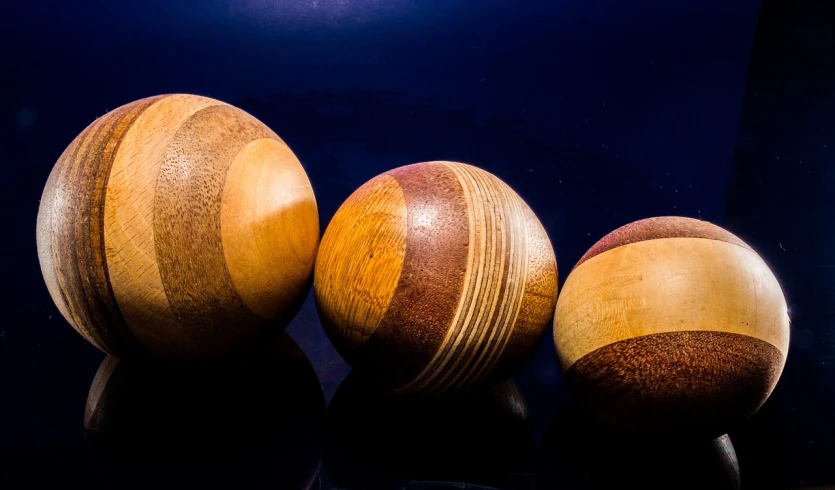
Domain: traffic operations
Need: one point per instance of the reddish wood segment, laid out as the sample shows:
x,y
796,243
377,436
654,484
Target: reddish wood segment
x,y
672,323
140,223
699,380
470,278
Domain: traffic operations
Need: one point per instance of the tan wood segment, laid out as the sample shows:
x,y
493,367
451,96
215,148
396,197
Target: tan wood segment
x,y
129,218
669,285
361,256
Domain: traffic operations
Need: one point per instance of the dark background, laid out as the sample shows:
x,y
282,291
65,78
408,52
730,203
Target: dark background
x,y
598,113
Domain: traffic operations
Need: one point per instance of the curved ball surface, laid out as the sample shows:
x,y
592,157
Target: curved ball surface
x,y
672,323
435,277
177,226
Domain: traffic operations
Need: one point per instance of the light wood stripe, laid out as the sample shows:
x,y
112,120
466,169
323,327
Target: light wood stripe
x,y
661,227
129,220
70,278
539,297
505,321
370,231
489,319
493,286
708,285
509,312
486,320
266,191
118,338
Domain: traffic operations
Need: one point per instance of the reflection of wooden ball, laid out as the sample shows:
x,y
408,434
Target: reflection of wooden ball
x,y
578,451
210,424
434,277
479,436
177,226
672,323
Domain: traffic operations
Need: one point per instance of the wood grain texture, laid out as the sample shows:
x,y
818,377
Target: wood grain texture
x,y
690,381
71,220
654,321
356,293
425,299
177,226
129,219
465,292
266,226
669,285
661,227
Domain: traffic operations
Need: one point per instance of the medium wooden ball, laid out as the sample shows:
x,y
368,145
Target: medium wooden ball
x,y
177,226
435,277
672,324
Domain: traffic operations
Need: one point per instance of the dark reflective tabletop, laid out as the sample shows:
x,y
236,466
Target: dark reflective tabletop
x,y
260,420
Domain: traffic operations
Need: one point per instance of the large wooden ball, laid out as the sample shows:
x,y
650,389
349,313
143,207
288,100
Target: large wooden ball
x,y
177,226
672,324
435,277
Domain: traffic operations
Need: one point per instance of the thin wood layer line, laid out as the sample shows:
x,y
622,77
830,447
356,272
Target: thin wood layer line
x,y
439,269
176,226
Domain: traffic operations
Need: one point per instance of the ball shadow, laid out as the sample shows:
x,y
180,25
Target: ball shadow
x,y
374,439
254,420
578,451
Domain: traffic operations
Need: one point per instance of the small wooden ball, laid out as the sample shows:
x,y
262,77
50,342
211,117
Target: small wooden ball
x,y
177,226
435,277
672,324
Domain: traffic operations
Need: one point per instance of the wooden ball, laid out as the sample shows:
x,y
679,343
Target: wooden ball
x,y
177,226
435,277
672,324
